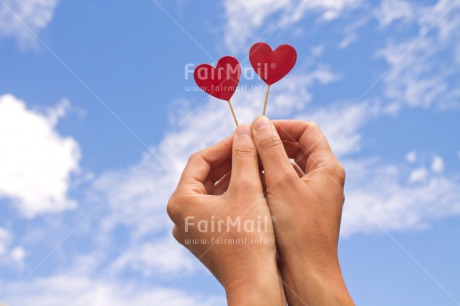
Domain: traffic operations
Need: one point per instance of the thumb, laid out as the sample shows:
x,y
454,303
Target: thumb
x,y
245,167
276,163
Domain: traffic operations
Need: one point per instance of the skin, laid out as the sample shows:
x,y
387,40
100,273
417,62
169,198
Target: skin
x,y
305,198
307,208
207,192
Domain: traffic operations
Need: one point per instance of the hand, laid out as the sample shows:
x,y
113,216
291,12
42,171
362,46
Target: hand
x,y
308,209
207,195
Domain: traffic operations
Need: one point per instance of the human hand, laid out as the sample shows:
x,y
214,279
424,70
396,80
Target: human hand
x,y
207,194
307,209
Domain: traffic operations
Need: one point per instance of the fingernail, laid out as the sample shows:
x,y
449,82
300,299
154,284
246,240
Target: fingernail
x,y
261,123
243,130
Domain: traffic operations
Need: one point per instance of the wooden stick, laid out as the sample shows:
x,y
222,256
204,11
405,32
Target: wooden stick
x,y
266,100
233,112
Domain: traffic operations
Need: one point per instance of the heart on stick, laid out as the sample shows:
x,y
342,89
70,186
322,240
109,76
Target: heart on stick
x,y
221,81
270,65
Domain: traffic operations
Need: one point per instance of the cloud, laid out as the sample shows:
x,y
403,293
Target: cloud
x,y
77,290
36,161
378,198
438,164
419,75
411,81
342,124
18,255
418,175
350,30
10,255
411,157
5,238
23,19
391,11
151,259
246,19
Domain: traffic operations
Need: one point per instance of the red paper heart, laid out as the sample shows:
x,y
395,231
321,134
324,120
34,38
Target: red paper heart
x,y
220,82
270,65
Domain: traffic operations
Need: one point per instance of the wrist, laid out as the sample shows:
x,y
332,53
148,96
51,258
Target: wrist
x,y
315,283
264,288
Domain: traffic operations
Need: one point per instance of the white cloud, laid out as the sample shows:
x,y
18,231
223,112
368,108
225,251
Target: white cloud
x,y
438,164
163,257
36,161
418,75
393,197
5,238
342,124
317,50
350,30
18,255
418,175
411,157
412,80
21,19
443,16
391,11
244,19
377,199
9,255
77,290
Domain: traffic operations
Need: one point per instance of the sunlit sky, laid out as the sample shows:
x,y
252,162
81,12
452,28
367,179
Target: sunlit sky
x,y
97,122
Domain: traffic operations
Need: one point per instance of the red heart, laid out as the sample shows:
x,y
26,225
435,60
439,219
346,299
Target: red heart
x,y
220,82
270,65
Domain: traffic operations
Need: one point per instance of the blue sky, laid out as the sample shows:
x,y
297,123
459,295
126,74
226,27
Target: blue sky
x,y
96,125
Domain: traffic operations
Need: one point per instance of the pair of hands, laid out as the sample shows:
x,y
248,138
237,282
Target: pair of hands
x,y
298,203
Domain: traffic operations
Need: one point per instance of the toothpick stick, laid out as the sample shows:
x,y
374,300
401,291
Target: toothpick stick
x,y
233,112
266,100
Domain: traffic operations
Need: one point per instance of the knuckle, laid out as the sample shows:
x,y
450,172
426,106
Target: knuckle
x,y
245,184
177,205
283,181
194,156
338,172
288,179
244,150
172,209
269,142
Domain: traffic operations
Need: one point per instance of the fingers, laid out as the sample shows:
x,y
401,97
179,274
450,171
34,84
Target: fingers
x,y
201,164
275,141
245,168
316,151
276,163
